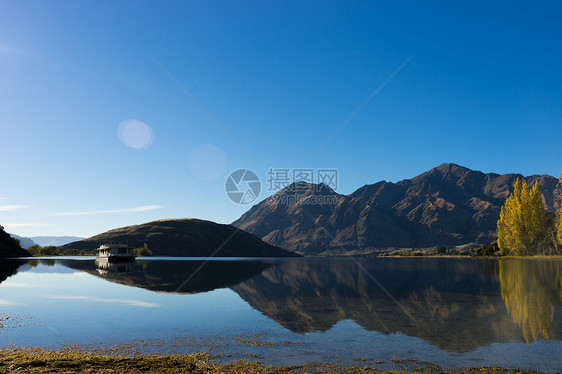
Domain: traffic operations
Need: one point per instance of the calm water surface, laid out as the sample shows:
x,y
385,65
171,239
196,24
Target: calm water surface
x,y
454,312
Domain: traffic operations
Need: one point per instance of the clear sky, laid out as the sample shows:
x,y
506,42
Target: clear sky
x,y
120,112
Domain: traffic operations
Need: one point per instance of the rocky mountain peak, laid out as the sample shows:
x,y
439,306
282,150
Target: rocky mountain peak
x,y
449,205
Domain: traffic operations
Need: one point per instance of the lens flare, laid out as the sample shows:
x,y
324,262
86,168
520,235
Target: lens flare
x,y
135,134
207,162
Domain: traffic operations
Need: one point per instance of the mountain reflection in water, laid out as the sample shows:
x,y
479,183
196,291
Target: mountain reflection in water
x,y
455,304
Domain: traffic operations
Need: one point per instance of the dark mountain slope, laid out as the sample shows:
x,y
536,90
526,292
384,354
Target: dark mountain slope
x,y
449,205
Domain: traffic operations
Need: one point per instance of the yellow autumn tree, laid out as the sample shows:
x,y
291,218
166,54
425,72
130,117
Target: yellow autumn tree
x,y
522,224
559,212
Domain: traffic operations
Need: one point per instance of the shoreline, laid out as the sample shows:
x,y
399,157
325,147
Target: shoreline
x,y
535,257
69,360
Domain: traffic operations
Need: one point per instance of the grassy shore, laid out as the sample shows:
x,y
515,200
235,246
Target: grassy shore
x,y
534,257
76,361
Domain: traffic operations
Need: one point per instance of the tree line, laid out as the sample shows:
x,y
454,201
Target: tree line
x,y
525,227
49,250
37,250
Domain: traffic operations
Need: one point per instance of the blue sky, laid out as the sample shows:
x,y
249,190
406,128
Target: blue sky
x,y
474,83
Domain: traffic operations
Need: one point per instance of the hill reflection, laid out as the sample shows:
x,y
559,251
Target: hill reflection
x,y
9,268
173,276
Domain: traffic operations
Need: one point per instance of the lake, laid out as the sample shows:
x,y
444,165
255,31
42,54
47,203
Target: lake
x,y
452,312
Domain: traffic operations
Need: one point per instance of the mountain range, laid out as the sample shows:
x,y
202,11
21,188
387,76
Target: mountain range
x,y
25,242
449,205
45,241
185,237
56,241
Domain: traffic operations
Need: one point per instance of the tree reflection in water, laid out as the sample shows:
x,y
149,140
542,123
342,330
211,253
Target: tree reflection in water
x,y
531,289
